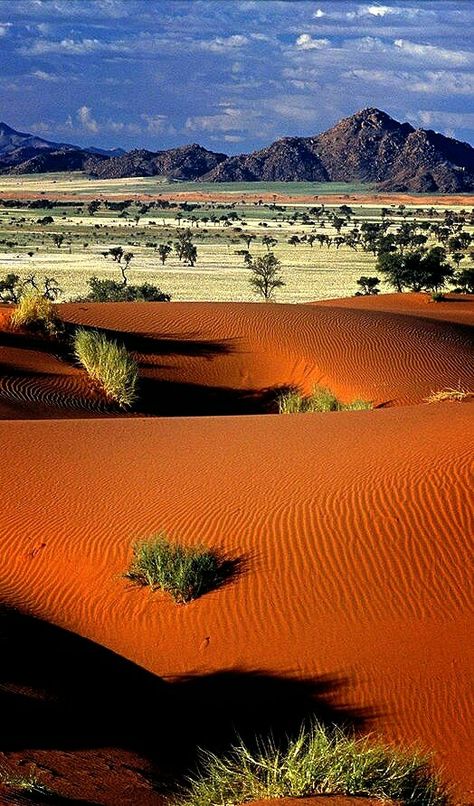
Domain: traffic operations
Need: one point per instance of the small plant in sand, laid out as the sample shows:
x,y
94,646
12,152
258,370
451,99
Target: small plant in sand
x,y
109,364
455,395
35,312
28,781
438,296
185,572
319,761
321,399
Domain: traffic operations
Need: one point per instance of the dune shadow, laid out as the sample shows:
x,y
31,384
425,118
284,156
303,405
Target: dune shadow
x,y
61,692
181,399
184,344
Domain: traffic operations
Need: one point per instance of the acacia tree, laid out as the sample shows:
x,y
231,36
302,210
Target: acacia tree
x,y
164,250
266,277
368,286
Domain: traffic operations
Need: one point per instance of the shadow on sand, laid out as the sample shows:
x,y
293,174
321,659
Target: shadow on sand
x,y
63,693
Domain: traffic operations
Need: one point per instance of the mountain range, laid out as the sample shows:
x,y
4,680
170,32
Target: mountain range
x,y
369,146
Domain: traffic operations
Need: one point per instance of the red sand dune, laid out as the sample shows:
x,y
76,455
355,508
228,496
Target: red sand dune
x,y
355,528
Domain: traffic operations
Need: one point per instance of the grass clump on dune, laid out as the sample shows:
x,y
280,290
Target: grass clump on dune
x,y
454,395
185,572
109,364
321,399
318,762
35,312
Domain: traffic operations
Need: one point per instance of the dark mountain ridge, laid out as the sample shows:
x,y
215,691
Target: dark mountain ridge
x,y
369,146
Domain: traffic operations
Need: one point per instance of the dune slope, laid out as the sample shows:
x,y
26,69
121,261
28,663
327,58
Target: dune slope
x,y
356,542
353,601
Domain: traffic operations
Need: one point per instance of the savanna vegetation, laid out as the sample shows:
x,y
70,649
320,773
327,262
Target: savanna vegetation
x,y
132,249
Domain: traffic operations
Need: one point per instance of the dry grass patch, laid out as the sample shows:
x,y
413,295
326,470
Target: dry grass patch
x,y
34,312
454,395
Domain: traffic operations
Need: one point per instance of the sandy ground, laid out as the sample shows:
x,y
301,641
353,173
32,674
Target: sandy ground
x,y
352,531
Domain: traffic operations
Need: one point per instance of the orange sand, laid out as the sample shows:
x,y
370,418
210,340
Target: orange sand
x,y
355,528
217,195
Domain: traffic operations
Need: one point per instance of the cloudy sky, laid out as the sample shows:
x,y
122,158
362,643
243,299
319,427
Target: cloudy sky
x,y
232,75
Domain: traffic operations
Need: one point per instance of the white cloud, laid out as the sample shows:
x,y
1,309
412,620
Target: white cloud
x,y
430,118
319,13
84,116
158,124
431,52
4,27
377,11
42,75
230,119
306,42
69,47
224,44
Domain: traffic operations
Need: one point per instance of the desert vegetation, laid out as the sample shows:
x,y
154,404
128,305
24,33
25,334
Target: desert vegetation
x,y
321,399
205,250
319,761
35,312
451,394
108,364
185,572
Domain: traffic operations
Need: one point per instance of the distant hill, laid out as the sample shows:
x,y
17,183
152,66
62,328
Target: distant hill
x,y
369,146
186,162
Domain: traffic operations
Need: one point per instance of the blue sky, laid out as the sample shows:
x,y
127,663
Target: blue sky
x,y
233,75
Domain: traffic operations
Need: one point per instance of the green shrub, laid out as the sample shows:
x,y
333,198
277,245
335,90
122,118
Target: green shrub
x,y
318,762
184,572
321,399
113,291
35,312
109,364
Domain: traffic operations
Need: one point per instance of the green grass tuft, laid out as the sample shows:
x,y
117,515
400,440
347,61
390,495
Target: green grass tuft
x,y
109,364
185,572
318,762
321,399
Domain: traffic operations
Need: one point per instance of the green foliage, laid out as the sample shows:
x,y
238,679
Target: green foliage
x,y
320,400
418,270
464,280
11,288
184,572
265,278
185,249
109,364
112,291
368,286
320,761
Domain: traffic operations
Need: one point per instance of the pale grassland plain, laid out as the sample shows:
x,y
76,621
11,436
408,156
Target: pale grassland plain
x,y
220,274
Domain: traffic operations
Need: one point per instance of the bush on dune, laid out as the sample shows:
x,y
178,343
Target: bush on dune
x,y
318,762
184,572
109,364
320,400
35,312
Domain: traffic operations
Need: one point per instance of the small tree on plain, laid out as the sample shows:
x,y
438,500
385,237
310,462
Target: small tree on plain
x,y
266,277
368,286
164,250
